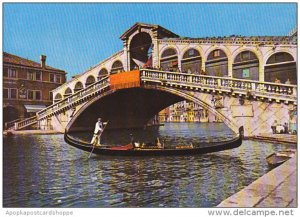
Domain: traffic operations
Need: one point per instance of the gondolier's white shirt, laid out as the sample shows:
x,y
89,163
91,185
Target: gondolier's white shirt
x,y
98,128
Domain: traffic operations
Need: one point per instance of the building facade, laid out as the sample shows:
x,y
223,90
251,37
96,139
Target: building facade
x,y
186,111
27,86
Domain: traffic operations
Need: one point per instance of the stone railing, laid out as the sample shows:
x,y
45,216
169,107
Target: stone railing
x,y
256,89
11,124
75,98
25,123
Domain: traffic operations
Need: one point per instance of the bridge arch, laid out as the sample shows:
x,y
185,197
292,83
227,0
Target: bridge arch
x,y
161,95
57,97
117,67
216,63
140,49
68,92
282,66
191,61
246,65
102,73
78,86
169,58
90,80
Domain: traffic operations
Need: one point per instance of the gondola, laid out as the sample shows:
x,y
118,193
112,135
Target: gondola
x,y
277,158
128,150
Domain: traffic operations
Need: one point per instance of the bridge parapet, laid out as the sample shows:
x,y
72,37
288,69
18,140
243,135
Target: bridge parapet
x,y
75,99
286,93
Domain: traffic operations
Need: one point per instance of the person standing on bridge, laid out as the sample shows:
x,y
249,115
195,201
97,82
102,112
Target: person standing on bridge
x,y
97,133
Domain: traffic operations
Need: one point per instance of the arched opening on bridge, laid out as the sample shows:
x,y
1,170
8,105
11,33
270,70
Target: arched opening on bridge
x,y
78,86
169,60
10,113
191,62
282,66
140,50
117,67
246,66
68,92
90,80
102,73
217,63
57,97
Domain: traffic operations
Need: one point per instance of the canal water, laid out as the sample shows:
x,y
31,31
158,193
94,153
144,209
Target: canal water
x,y
44,171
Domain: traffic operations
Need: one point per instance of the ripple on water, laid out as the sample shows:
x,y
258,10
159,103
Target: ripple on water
x,y
46,172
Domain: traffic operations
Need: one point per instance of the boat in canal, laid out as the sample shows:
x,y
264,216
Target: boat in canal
x,y
132,150
277,158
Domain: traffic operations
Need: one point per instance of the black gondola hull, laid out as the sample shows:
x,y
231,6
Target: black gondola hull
x,y
205,148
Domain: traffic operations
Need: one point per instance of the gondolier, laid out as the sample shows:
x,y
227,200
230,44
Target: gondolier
x,y
97,133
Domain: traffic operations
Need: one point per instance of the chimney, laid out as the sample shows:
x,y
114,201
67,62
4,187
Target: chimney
x,y
43,61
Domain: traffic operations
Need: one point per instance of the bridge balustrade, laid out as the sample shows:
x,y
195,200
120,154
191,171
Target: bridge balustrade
x,y
25,123
275,91
101,84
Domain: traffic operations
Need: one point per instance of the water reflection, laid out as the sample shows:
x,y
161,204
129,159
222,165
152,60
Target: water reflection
x,y
43,171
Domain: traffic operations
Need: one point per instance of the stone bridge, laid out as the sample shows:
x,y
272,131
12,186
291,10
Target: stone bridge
x,y
249,81
130,99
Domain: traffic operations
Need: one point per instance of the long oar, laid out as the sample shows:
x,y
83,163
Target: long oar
x,y
99,137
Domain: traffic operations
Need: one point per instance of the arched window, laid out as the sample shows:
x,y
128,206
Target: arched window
x,y
117,67
246,66
191,62
217,63
102,73
58,97
281,66
169,60
78,86
68,92
90,80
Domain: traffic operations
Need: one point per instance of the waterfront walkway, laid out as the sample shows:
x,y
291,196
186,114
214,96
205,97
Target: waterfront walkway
x,y
277,188
278,138
31,132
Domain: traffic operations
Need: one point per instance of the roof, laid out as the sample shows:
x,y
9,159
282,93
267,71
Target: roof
x,y
20,61
162,32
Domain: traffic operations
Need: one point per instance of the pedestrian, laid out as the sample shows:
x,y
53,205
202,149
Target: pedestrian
x,y
288,81
273,127
286,127
277,80
97,133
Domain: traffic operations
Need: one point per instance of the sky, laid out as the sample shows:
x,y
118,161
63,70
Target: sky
x,y
75,37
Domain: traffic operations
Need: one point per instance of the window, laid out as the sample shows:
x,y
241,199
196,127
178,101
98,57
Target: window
x,y
30,75
30,94
10,93
13,73
34,95
51,77
54,78
13,93
216,53
38,76
5,72
5,93
38,95
246,73
9,72
57,79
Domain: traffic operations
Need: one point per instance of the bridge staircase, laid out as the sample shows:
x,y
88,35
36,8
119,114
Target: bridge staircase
x,y
67,103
